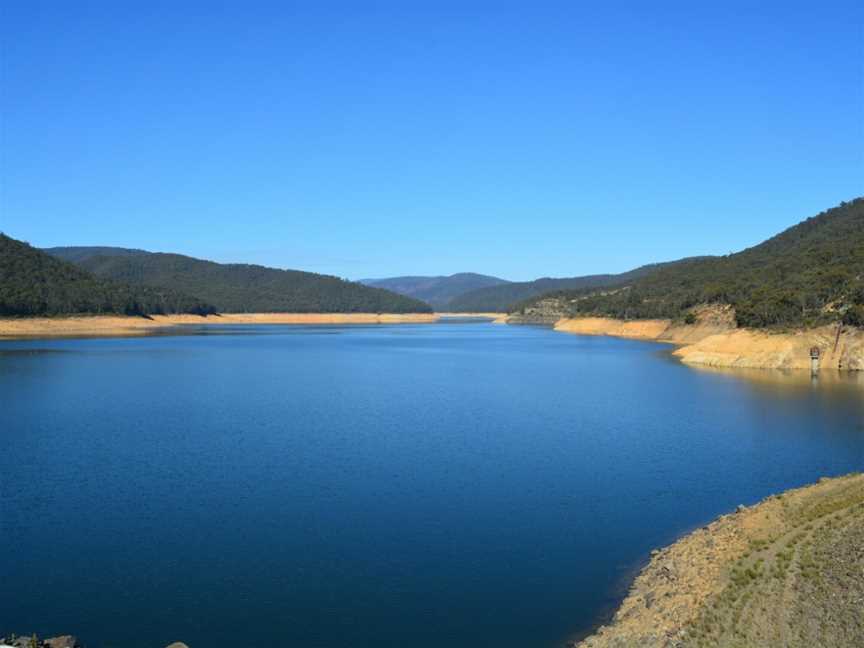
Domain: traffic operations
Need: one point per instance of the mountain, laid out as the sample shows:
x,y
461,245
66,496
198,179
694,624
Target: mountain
x,y
503,297
809,274
438,291
34,283
75,254
241,288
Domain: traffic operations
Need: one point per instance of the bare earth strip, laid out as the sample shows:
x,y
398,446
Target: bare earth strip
x,y
485,315
715,342
113,326
787,572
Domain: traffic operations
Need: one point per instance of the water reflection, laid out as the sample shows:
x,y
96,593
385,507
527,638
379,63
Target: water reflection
x,y
791,377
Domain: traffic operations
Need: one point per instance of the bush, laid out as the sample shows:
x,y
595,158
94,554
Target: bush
x,y
854,316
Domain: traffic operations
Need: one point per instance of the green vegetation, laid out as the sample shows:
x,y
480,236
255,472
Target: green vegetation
x,y
33,283
438,291
810,274
238,288
501,298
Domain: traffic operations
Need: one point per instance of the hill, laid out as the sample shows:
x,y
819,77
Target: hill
x,y
76,254
810,274
438,291
502,298
241,288
33,283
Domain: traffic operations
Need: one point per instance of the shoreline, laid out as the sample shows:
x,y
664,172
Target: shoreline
x,y
130,326
717,343
760,575
484,315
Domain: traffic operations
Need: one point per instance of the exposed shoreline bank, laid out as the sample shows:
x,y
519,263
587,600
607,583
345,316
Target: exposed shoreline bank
x,y
715,343
786,571
123,326
484,315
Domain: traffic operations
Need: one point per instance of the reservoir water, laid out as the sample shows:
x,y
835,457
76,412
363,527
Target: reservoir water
x,y
451,484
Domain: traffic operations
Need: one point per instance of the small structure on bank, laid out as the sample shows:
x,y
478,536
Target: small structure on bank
x,y
814,359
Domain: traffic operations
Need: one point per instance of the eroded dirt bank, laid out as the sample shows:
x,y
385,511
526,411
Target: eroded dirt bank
x,y
485,315
756,349
788,571
122,326
714,341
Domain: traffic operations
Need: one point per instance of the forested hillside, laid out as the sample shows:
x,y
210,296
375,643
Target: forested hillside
x,y
76,254
240,288
33,283
503,298
810,274
438,291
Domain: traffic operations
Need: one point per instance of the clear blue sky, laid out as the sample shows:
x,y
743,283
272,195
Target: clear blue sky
x,y
362,139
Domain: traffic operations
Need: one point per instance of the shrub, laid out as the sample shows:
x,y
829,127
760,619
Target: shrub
x,y
854,316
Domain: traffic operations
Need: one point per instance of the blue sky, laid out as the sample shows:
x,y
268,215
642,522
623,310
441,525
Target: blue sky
x,y
366,139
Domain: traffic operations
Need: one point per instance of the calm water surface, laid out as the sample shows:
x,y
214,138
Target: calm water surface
x,y
427,485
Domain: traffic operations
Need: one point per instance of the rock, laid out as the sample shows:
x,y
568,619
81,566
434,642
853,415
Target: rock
x,y
178,644
65,641
668,573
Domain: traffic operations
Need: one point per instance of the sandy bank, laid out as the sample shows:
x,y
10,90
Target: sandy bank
x,y
714,341
756,349
637,329
785,572
124,326
492,316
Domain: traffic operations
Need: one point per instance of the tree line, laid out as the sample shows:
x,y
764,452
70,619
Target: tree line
x,y
810,274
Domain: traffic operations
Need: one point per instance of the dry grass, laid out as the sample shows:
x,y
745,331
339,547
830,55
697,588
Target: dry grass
x,y
787,572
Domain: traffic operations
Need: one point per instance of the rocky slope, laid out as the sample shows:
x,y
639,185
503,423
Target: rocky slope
x,y
713,340
840,348
788,572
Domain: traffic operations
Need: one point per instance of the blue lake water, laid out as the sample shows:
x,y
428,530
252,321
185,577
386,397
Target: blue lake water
x,y
452,484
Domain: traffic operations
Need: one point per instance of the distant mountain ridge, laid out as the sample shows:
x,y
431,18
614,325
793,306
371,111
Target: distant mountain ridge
x,y
808,275
239,288
439,291
503,297
77,253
